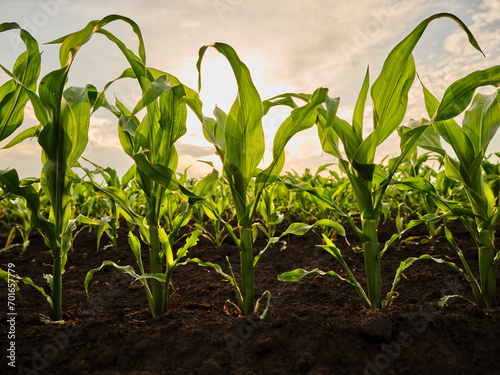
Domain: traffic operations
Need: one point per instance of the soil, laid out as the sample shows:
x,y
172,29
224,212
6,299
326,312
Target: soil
x,y
316,326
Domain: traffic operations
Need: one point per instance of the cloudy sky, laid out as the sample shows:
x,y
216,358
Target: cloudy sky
x,y
289,46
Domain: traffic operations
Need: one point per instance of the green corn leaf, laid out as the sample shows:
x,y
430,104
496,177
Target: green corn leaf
x,y
32,132
301,228
329,139
344,132
191,97
156,172
135,246
127,177
284,99
359,109
482,120
300,273
153,92
129,270
9,182
244,136
326,200
14,94
451,132
390,90
102,227
119,197
444,300
390,98
429,139
127,133
407,263
78,100
322,168
214,131
452,169
57,139
300,119
172,125
26,280
459,95
216,268
207,184
409,140
191,241
72,42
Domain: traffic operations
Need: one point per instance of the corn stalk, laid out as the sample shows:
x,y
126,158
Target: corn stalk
x,y
238,138
470,142
369,182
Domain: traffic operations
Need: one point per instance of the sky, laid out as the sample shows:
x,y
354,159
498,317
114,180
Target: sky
x,y
289,46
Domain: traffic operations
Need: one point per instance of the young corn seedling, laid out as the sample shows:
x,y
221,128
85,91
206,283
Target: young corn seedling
x,y
470,142
271,215
369,182
95,206
416,202
64,117
150,143
14,95
238,138
221,203
19,213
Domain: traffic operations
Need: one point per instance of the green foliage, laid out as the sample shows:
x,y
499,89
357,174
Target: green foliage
x,y
470,142
238,138
369,182
156,202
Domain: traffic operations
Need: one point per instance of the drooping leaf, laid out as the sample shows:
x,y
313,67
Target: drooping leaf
x,y
459,95
390,90
300,119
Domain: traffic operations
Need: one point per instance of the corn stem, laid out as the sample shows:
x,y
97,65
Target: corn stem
x,y
487,269
247,270
372,263
57,287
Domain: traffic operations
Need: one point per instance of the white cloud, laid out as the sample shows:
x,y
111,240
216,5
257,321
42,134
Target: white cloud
x,y
490,13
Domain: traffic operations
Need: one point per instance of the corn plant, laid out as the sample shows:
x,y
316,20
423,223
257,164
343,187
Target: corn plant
x,y
270,215
300,207
369,182
64,117
238,138
94,206
14,95
411,203
150,143
220,202
470,142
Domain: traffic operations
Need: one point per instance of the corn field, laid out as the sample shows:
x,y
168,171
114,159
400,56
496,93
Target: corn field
x,y
368,229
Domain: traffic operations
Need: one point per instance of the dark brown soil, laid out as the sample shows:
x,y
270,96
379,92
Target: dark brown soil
x,y
316,326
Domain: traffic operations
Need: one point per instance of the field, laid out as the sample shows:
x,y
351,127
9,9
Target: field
x,y
358,267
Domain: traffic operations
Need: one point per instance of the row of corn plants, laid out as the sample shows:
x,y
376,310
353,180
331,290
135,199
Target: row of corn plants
x,y
157,202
